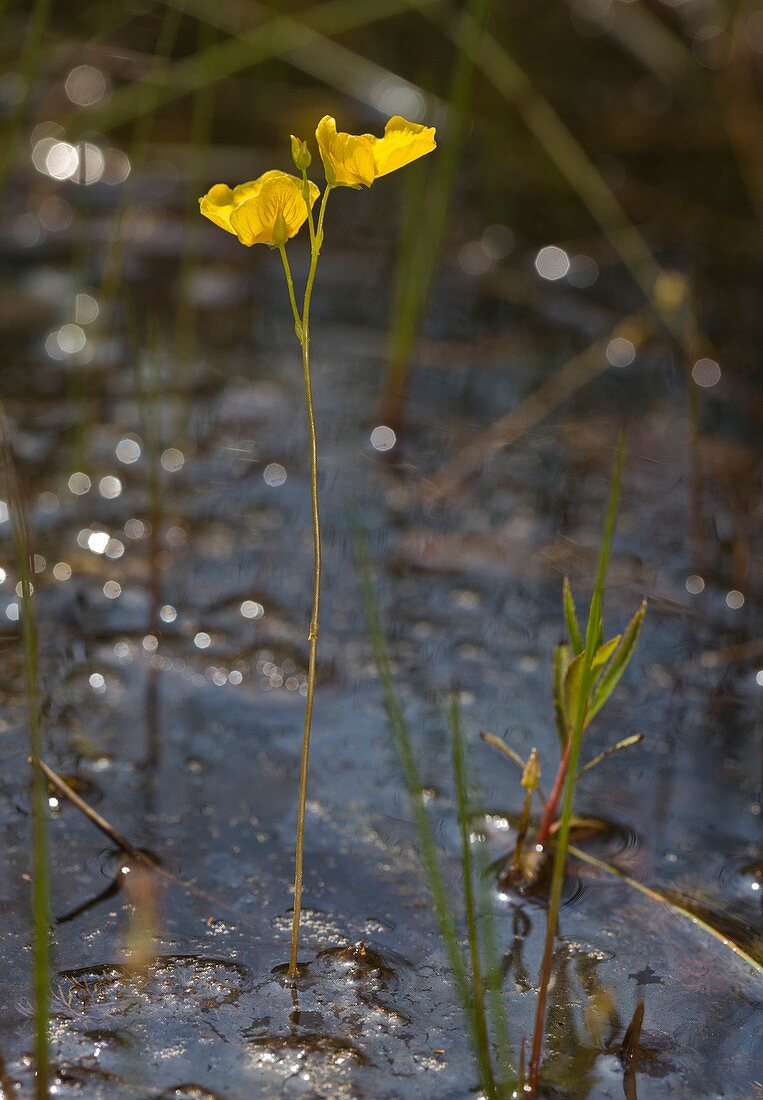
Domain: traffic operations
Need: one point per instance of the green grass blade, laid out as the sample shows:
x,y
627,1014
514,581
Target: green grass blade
x,y
563,149
626,743
620,659
681,910
410,770
604,652
571,618
427,213
494,976
594,626
233,55
507,750
479,1026
559,667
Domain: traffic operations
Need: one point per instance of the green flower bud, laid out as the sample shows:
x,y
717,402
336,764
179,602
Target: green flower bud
x,y
300,154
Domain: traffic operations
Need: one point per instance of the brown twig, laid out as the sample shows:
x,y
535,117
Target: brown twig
x,y
140,857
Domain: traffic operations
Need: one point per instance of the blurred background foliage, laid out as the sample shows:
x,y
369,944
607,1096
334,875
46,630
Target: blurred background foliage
x,y
625,132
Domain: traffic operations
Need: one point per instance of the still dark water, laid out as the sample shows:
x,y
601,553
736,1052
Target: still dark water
x,y
183,729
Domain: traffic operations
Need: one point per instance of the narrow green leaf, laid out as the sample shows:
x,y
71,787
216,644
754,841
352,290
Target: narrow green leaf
x,y
497,743
571,618
604,652
479,1021
611,676
626,743
558,672
573,687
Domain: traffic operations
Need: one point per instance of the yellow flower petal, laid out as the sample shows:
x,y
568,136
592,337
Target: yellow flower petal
x,y
274,212
403,142
218,205
347,158
268,210
250,190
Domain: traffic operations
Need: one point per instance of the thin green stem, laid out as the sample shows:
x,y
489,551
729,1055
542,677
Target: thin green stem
x,y
309,205
290,287
482,1040
302,326
576,736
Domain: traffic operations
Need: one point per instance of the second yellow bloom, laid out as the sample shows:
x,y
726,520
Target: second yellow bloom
x,y
355,160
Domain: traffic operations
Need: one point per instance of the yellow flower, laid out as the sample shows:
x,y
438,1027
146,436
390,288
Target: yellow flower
x,y
352,160
268,210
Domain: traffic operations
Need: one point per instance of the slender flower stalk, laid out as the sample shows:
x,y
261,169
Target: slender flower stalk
x,y
302,330
271,210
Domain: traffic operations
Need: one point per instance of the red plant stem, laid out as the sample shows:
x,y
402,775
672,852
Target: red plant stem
x,y
553,799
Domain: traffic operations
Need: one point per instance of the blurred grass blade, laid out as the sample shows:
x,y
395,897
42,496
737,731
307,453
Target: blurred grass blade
x,y
561,146
138,153
320,57
561,664
594,626
622,655
274,38
498,743
571,618
186,314
550,395
36,23
40,868
683,910
482,1040
494,974
410,771
425,217
642,34
626,743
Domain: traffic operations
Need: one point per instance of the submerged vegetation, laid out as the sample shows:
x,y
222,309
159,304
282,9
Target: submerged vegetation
x,y
524,912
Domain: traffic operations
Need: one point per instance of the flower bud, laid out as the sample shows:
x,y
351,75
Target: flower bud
x,y
280,231
300,154
531,774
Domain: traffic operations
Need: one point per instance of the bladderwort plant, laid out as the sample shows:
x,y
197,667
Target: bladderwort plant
x,y
585,672
589,680
271,210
